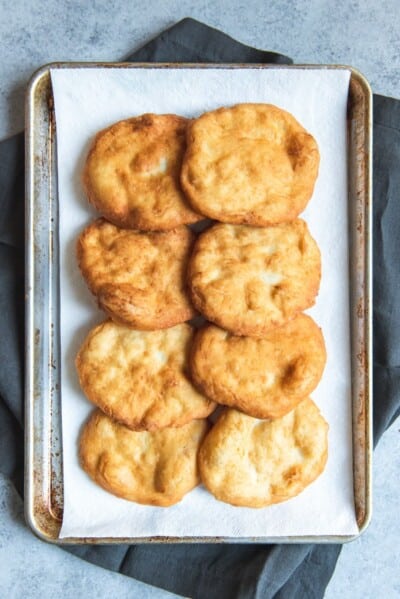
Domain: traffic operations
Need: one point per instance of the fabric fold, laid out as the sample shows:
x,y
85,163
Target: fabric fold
x,y
192,41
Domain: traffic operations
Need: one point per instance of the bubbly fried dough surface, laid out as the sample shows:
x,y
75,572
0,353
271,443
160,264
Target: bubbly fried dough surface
x,y
249,280
249,462
249,164
139,278
139,377
265,378
153,468
132,172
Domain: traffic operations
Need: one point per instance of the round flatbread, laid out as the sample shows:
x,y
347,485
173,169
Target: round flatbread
x,y
139,378
255,463
249,164
132,171
249,280
153,468
139,279
265,378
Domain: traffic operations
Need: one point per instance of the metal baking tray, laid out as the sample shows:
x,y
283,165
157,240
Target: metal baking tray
x,y
43,443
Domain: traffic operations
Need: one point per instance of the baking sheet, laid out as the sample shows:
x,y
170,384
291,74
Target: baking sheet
x,y
87,100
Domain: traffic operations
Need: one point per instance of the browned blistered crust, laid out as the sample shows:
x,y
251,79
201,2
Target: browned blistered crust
x,y
132,173
138,278
265,378
139,378
249,280
249,164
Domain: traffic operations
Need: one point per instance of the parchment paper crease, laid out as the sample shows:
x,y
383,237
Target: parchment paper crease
x,y
89,99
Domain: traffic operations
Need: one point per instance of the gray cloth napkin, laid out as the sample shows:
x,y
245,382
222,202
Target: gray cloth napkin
x,y
212,570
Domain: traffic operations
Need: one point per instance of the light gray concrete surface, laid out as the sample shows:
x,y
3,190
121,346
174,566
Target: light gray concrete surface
x,y
32,569
360,33
364,34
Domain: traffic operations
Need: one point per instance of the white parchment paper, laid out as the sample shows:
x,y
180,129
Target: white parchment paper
x,y
89,99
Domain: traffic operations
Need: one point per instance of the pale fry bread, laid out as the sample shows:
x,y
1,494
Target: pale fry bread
x,y
153,468
255,463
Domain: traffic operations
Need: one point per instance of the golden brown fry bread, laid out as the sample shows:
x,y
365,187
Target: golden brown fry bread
x,y
139,278
265,378
139,377
249,164
132,171
154,468
249,280
249,462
